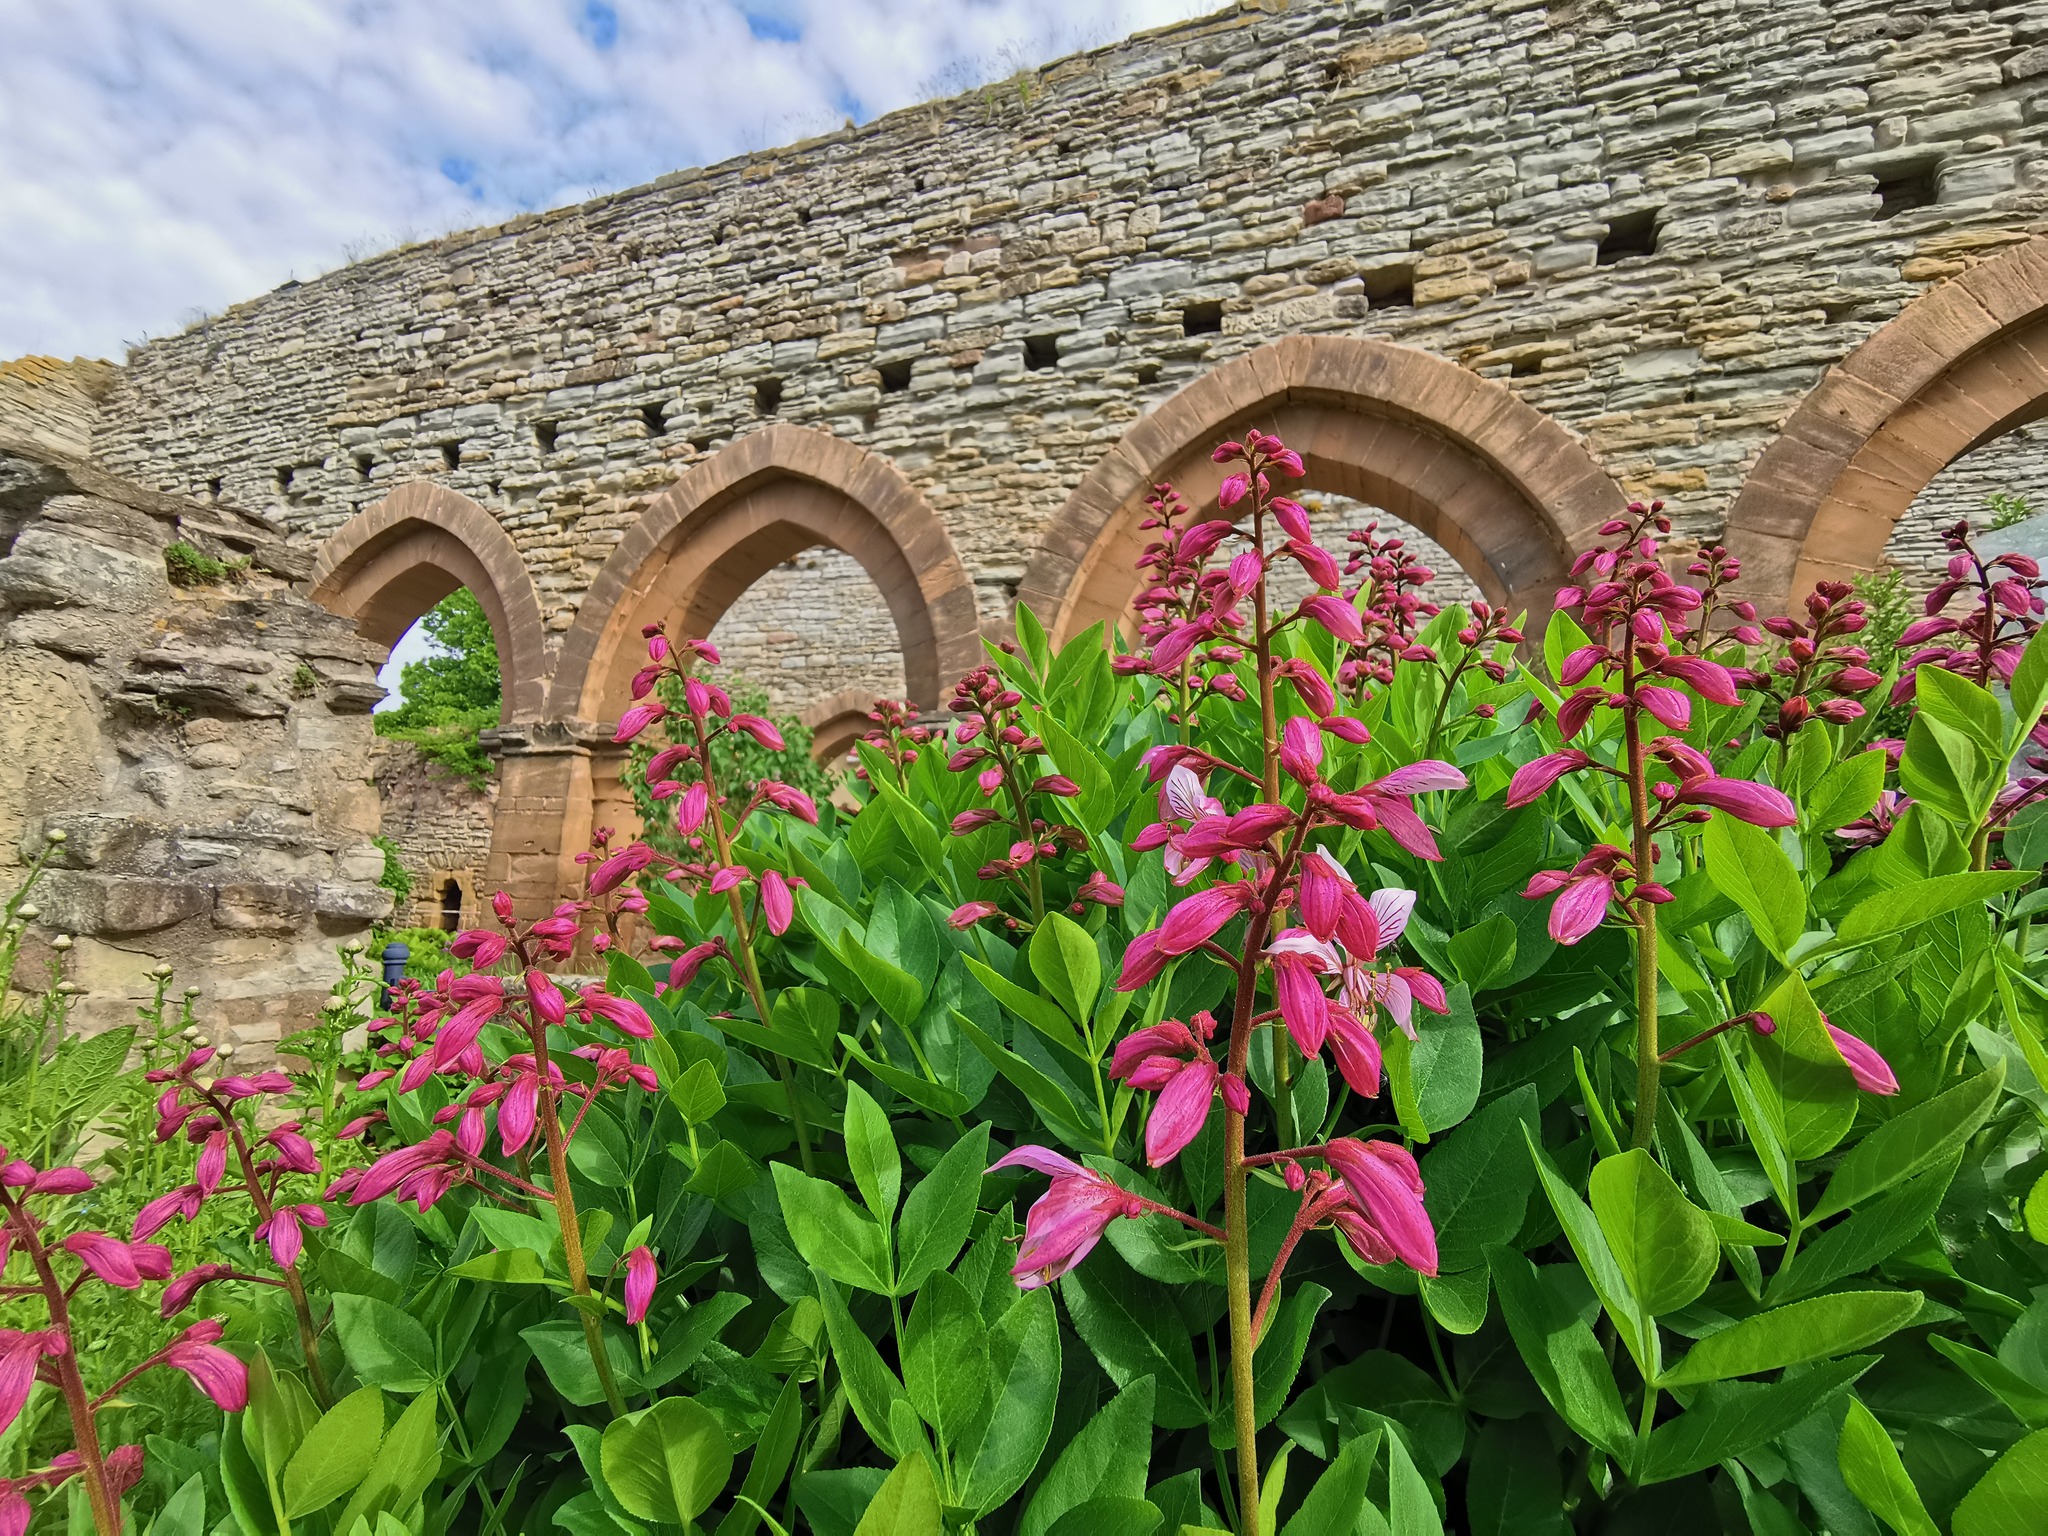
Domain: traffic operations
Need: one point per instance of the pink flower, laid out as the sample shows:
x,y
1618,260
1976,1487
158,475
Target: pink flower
x,y
121,1264
1233,490
620,867
1872,1072
1709,679
213,1162
1301,749
967,914
1102,890
156,1215
640,1277
19,1353
622,1013
1356,1050
179,1293
423,1172
1170,1059
1386,1187
1335,615
1388,799
1194,921
282,1231
789,799
518,1113
1068,1220
1143,961
545,998
691,808
761,730
1182,796
777,904
1300,960
1757,804
1583,894
480,948
637,719
1533,779
216,1372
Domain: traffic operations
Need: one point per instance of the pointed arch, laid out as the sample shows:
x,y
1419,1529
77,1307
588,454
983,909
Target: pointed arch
x,y
1506,489
764,498
1961,365
837,721
394,560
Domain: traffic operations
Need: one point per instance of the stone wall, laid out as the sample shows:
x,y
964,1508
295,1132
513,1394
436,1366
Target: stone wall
x,y
201,748
812,628
1658,223
2013,465
441,827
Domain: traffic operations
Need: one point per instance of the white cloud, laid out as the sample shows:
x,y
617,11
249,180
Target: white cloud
x,y
164,157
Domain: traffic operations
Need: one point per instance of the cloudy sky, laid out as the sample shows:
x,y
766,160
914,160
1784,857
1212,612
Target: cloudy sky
x,y
163,158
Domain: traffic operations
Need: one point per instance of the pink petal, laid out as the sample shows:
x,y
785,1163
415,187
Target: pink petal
x,y
1872,1072
1180,1112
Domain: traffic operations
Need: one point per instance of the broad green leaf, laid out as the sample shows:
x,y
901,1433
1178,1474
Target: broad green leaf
x,y
1484,952
1024,1381
336,1454
1806,1330
1919,1138
1610,1282
1872,1469
1065,961
1034,1010
1476,1181
907,1503
1944,770
1664,1243
1730,1418
515,1266
281,1413
184,1512
2012,1498
1961,705
1903,907
1560,1352
1411,1507
1801,1067
871,1154
2029,1403
1134,1330
945,1357
697,1093
1110,1515
872,1390
2036,1210
1755,873
831,1232
407,1461
940,1211
1456,1299
386,1346
1098,800
2028,692
1062,1116
773,1454
893,988
1513,1486
1434,1081
1333,1505
1107,1459
1278,1361
926,840
1845,792
1867,1236
667,1462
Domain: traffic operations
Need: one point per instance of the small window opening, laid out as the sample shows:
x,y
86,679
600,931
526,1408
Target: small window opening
x,y
655,422
213,487
364,464
768,397
1041,352
1629,234
896,375
1909,187
1390,288
451,906
1148,373
284,478
1201,319
1525,367
451,455
544,435
803,215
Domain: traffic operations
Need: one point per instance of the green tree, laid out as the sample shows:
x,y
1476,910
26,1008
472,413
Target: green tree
x,y
451,694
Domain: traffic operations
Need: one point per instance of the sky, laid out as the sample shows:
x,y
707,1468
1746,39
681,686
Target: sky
x,y
162,159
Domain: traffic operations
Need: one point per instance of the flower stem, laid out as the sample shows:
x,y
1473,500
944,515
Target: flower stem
x,y
572,1233
1649,1069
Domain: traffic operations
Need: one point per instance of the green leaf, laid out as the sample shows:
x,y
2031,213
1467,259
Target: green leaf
x,y
1791,1335
871,1153
945,1358
1944,770
2012,1498
1872,1469
1107,1459
1278,1361
1411,1507
1031,636
1476,1181
1023,1384
1869,1235
2028,692
1484,952
907,1503
1512,1485
1062,1116
514,1266
667,1462
928,842
697,1093
1903,907
893,988
830,1231
1110,1515
1067,965
1845,791
2036,1210
336,1454
2029,1403
1731,1418
872,1390
281,1413
1435,1080
1561,1352
940,1211
1750,868
1134,1330
1034,1010
1333,1505
1961,705
773,1454
1919,1138
184,1512
1610,1282
386,1346
1664,1243
1098,800
1456,1299
407,1461
1800,1066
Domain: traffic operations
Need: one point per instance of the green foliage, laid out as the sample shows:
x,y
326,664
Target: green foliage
x,y
395,878
738,764
189,566
451,694
2007,508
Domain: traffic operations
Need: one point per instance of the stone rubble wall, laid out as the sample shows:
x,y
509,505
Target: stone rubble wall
x,y
202,750
2013,465
809,629
990,289
53,406
441,827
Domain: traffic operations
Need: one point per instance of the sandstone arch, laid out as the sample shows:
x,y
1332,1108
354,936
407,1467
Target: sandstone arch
x,y
1507,490
766,497
1959,366
837,721
394,560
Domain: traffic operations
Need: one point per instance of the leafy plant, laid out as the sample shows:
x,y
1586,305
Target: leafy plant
x,y
451,694
189,566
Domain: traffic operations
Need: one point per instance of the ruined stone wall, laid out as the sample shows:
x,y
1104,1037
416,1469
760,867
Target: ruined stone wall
x,y
2013,465
809,629
1660,223
201,748
441,827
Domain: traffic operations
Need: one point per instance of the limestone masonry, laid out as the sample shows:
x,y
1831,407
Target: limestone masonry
x,y
1495,265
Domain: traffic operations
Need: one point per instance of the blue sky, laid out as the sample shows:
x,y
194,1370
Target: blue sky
x,y
164,158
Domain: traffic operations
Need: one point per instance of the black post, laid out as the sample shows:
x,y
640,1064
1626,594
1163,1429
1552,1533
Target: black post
x,y
395,956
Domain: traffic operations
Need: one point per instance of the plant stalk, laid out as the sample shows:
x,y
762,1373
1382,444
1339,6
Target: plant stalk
x,y
1649,1068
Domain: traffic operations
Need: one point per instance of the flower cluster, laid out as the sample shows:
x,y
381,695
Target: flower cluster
x,y
898,736
1392,609
50,1354
1819,664
1985,644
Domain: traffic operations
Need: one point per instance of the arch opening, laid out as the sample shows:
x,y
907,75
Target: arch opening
x,y
1505,491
